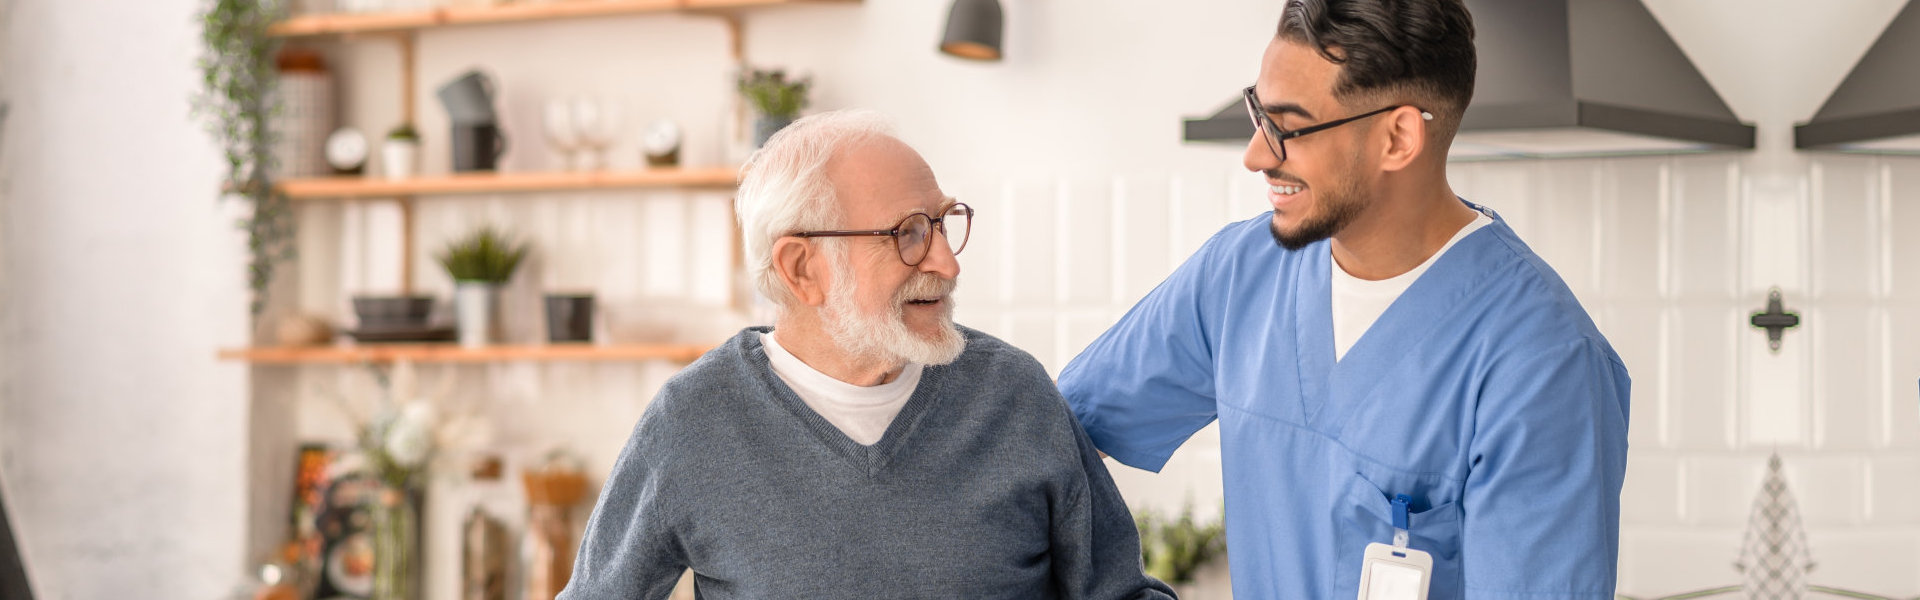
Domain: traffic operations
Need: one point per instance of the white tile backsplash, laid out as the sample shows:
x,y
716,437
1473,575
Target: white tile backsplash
x,y
1084,232
1844,232
1199,209
1719,489
1652,494
1704,380
1635,202
1831,491
1563,225
1033,224
1658,561
1143,254
1902,207
1881,562
1899,418
1893,484
1706,228
1843,377
1773,405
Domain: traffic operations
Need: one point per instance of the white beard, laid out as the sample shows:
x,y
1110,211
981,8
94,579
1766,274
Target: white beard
x,y
885,337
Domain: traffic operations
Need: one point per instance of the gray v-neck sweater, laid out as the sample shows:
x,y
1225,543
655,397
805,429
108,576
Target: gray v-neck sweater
x,y
984,486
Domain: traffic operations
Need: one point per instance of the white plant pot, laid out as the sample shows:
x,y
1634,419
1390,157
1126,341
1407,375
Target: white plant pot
x,y
477,312
398,158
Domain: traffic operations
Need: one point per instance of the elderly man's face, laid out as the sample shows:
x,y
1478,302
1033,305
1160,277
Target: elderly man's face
x,y
883,306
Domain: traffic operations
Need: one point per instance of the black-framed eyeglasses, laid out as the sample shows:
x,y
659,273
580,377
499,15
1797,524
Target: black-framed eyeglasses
x,y
1277,137
913,235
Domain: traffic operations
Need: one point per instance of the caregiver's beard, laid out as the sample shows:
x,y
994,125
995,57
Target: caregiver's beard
x,y
885,337
1338,205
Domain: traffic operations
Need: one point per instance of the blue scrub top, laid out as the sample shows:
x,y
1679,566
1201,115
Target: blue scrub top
x,y
1484,392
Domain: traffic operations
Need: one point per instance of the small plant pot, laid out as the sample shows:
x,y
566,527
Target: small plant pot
x,y
764,128
569,318
477,312
399,158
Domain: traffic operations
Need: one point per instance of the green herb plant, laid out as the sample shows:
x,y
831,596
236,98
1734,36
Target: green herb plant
x,y
404,132
236,100
773,94
1175,549
486,256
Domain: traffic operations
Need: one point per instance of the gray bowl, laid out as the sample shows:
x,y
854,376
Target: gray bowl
x,y
389,311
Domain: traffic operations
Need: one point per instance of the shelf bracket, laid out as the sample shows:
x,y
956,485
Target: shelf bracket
x,y
406,244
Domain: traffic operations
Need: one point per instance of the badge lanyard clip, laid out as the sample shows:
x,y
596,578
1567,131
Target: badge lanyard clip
x,y
1400,502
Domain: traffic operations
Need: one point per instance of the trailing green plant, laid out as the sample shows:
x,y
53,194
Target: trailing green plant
x,y
237,102
773,94
486,255
404,131
1174,550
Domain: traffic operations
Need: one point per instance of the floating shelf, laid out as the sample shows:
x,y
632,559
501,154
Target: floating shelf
x,y
454,353
499,183
350,23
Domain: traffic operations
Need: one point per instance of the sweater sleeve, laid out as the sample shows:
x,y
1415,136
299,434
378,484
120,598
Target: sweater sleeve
x,y
629,549
1096,548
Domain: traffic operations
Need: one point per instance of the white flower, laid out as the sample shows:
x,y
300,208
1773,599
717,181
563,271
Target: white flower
x,y
410,439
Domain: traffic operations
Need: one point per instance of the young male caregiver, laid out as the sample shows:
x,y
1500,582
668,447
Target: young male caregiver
x,y
1402,385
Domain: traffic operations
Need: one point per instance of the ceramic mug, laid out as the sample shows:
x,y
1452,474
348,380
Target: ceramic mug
x,y
477,146
469,98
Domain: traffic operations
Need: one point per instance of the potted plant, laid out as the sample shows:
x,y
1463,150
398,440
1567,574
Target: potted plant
x,y
776,98
401,152
480,263
1174,550
237,103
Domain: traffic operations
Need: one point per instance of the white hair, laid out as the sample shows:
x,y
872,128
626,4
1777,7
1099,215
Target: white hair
x,y
784,188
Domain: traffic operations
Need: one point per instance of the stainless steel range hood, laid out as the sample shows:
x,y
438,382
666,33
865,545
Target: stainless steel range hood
x,y
1877,107
1568,78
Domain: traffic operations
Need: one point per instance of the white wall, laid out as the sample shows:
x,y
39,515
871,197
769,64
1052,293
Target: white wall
x,y
1083,118
122,441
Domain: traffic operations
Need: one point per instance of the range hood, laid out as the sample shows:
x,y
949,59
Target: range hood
x,y
1568,78
1877,107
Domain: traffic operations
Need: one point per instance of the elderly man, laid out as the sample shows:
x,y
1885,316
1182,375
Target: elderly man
x,y
864,447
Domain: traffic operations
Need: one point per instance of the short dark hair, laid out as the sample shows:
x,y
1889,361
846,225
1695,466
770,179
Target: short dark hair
x,y
1417,48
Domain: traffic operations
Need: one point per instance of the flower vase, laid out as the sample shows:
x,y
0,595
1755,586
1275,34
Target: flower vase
x,y
396,544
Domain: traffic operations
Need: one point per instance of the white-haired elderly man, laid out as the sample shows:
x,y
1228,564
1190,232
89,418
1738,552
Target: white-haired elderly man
x,y
864,447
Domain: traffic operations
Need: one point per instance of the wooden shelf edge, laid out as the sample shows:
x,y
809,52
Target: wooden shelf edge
x,y
496,183
357,23
454,353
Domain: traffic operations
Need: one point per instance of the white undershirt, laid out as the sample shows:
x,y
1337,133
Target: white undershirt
x,y
861,412
1357,303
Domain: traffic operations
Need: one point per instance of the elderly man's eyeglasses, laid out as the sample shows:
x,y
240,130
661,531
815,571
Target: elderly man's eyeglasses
x,y
913,236
1277,138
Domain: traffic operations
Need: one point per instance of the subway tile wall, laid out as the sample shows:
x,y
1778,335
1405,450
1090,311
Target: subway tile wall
x,y
1670,255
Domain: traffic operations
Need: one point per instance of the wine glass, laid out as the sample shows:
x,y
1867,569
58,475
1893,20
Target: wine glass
x,y
558,122
597,122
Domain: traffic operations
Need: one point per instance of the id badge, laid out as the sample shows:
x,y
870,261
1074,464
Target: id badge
x,y
1394,573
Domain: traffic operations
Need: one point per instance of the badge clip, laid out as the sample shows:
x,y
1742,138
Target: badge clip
x,y
1400,504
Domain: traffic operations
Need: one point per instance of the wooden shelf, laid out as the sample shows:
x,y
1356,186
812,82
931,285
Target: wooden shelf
x,y
454,353
347,23
498,183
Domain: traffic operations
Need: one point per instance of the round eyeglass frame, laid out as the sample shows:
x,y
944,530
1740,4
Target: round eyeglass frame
x,y
905,226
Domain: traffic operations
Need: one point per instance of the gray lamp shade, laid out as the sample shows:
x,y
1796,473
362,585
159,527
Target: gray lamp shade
x,y
973,30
